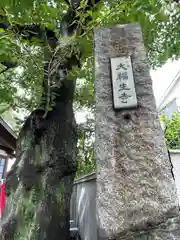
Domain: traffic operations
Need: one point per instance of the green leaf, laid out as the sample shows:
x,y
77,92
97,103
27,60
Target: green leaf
x,y
162,17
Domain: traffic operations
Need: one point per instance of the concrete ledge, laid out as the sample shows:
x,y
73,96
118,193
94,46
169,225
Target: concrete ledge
x,y
175,151
85,178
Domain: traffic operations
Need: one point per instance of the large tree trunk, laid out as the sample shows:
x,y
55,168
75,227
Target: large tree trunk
x,y
39,185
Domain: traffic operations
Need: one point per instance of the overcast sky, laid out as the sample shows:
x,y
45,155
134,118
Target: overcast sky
x,y
163,76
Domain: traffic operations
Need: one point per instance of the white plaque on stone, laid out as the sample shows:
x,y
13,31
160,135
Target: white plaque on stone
x,y
124,93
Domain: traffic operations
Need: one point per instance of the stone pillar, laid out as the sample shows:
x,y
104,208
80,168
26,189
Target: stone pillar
x,y
136,193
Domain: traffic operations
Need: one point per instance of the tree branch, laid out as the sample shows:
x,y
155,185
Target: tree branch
x,y
8,65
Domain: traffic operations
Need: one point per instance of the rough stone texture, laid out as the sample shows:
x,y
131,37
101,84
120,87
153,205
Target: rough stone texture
x,y
175,159
136,194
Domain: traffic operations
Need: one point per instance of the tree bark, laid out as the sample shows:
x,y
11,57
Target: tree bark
x,y
136,193
40,183
39,186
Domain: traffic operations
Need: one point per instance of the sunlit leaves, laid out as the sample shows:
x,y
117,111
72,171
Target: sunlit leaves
x,y
46,13
7,91
159,21
9,49
86,158
84,95
172,133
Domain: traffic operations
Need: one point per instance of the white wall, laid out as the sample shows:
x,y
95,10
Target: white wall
x,y
175,158
10,163
83,206
162,78
173,91
3,153
174,94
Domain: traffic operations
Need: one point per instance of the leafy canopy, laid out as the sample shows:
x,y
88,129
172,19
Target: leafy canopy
x,y
21,88
172,130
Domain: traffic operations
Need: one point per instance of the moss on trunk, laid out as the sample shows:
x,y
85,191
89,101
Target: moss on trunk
x,y
40,183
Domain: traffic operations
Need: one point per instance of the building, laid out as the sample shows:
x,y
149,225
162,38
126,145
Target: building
x,y
170,100
170,104
7,147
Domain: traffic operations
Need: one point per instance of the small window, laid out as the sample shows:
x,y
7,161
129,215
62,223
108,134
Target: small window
x,y
2,163
1,168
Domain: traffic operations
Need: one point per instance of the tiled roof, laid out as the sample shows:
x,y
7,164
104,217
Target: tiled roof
x,y
7,127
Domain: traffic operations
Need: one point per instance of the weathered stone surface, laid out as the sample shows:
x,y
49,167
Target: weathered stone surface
x,y
136,194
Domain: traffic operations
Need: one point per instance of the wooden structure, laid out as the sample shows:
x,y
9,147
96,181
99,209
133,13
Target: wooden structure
x,y
7,146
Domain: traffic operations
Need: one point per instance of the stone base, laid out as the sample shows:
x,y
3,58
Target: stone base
x,y
170,230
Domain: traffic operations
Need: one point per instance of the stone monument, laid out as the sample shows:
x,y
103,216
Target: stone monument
x,y
136,193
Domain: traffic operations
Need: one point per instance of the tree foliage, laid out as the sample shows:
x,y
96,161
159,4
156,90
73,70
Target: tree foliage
x,y
21,87
86,158
159,21
172,130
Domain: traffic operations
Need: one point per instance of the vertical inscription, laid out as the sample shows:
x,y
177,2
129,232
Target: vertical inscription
x,y
124,94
